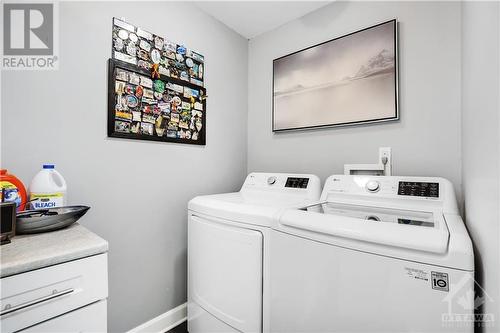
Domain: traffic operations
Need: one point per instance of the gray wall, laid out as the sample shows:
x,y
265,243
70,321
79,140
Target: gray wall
x,y
138,190
480,143
426,142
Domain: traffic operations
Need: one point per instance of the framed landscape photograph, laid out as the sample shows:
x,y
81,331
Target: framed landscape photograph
x,y
348,80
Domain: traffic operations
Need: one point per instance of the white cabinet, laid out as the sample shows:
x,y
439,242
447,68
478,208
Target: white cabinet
x,y
75,292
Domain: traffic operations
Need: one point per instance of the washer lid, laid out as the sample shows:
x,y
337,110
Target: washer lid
x,y
415,230
376,214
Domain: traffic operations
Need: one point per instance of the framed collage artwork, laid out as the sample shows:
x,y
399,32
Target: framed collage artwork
x,y
155,88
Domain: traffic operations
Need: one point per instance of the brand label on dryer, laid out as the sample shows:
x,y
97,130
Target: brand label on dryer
x,y
417,274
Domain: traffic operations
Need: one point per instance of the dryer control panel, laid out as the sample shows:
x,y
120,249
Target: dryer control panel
x,y
297,182
304,185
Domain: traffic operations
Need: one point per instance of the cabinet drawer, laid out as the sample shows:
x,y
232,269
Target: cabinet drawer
x,y
91,318
32,297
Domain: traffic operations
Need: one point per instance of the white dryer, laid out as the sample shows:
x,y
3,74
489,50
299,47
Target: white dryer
x,y
379,254
228,250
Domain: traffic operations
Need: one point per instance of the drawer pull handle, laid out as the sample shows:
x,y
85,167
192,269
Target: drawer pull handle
x,y
9,309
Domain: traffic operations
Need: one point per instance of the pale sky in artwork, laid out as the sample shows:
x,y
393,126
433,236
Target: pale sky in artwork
x,y
333,61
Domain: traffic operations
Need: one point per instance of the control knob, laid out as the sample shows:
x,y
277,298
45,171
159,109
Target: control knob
x,y
373,186
271,180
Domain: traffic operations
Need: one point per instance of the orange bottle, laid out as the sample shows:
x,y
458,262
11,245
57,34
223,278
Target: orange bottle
x,y
12,189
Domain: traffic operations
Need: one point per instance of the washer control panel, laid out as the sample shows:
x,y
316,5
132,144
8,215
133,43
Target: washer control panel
x,y
395,186
405,192
419,189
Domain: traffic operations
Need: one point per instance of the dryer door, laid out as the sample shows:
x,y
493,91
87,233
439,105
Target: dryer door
x,y
225,271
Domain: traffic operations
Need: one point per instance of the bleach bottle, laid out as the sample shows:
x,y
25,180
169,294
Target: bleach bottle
x,y
47,189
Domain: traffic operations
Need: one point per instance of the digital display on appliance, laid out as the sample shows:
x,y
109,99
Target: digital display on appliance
x,y
419,189
296,182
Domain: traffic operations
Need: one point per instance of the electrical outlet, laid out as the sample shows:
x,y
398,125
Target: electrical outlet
x,y
386,152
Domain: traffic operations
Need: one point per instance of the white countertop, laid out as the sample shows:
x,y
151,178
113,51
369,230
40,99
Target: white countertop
x,y
29,252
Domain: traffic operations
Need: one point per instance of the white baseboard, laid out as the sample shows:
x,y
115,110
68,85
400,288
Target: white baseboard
x,y
163,322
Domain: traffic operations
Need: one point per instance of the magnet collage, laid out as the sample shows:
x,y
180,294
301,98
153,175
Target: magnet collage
x,y
155,88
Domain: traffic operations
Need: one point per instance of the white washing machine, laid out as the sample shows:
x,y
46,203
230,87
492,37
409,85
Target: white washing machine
x,y
228,250
379,254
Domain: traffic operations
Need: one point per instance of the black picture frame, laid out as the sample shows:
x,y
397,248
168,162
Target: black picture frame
x,y
396,115
112,65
